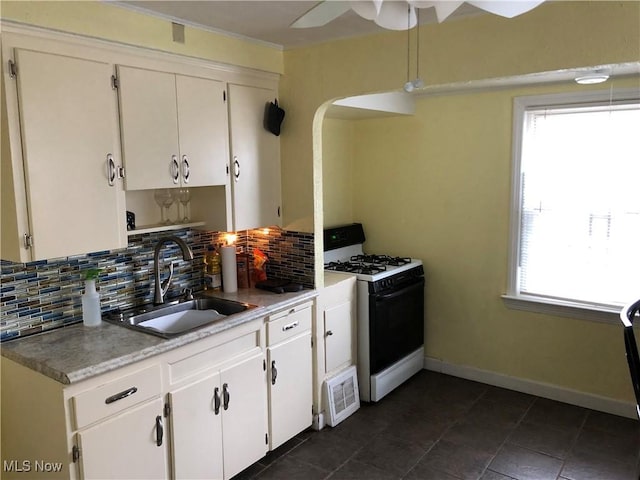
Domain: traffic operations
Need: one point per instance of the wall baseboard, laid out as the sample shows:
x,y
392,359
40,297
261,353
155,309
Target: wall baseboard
x,y
545,390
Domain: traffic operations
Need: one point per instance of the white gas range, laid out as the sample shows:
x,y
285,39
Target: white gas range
x,y
390,318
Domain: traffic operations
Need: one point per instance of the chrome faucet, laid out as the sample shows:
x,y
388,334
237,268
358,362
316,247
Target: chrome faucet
x,y
162,287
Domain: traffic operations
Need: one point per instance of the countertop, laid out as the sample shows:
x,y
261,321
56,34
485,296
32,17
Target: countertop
x,y
75,353
332,278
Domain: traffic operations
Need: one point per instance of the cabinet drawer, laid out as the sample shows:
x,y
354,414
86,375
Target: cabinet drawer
x,y
116,395
288,324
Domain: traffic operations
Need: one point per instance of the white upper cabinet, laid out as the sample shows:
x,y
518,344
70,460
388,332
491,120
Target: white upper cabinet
x,y
70,156
149,123
90,130
255,158
174,129
290,367
203,130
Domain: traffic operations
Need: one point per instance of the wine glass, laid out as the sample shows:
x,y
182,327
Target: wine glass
x,y
164,199
184,195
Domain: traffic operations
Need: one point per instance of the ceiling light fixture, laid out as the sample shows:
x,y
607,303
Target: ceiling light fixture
x,y
591,78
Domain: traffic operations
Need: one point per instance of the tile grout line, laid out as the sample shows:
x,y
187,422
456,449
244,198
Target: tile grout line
x,y
446,430
504,442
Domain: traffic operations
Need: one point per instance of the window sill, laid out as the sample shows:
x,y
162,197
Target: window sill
x,y
594,313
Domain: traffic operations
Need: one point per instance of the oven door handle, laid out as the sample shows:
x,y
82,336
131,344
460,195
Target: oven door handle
x,y
381,297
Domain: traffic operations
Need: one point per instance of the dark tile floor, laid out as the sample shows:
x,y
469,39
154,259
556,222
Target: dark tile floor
x,y
438,427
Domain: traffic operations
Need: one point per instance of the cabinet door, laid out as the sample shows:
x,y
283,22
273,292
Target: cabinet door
x,y
255,158
244,420
149,128
337,336
290,388
69,127
203,131
125,446
196,430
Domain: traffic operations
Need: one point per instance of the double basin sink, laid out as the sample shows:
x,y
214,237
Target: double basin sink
x,y
177,318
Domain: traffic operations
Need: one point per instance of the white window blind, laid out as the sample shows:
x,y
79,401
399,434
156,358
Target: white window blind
x,y
580,203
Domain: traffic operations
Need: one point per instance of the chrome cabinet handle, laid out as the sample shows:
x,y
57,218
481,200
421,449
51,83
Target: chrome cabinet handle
x,y
185,169
274,372
225,396
290,326
121,395
159,431
216,401
175,169
111,170
236,168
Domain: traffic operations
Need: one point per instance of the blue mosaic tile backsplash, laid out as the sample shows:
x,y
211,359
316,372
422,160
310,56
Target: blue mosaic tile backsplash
x,y
43,295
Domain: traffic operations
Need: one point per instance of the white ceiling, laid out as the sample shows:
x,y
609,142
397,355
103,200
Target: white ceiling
x,y
268,21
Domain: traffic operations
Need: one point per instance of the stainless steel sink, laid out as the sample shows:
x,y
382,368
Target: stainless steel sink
x,y
175,319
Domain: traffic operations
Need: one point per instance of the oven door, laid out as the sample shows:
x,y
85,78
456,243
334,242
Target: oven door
x,y
396,324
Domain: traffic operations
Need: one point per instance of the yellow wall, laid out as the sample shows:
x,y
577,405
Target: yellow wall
x,y
338,150
98,19
442,193
554,36
444,177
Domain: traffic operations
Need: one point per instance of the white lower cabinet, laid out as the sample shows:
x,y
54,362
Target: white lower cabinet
x,y
289,357
336,305
197,411
338,335
218,422
130,445
335,330
196,429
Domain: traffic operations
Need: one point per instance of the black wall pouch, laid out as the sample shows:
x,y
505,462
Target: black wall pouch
x,y
273,117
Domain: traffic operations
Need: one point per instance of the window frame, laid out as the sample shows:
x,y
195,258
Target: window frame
x,y
513,298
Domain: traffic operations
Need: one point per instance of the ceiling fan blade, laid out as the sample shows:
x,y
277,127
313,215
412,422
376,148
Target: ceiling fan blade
x,y
368,9
321,14
396,16
507,9
443,8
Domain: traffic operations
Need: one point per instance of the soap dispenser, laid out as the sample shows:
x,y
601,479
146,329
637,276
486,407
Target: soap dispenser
x,y
91,316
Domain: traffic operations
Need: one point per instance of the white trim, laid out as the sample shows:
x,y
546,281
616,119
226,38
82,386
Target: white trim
x,y
384,382
540,389
512,298
561,308
30,36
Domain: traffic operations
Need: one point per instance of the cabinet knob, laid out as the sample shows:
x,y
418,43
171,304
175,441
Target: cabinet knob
x,y
185,169
274,372
111,170
159,431
225,396
119,396
329,333
216,401
236,168
290,326
175,169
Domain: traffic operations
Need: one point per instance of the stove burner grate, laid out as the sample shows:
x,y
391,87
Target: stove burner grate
x,y
381,260
355,267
